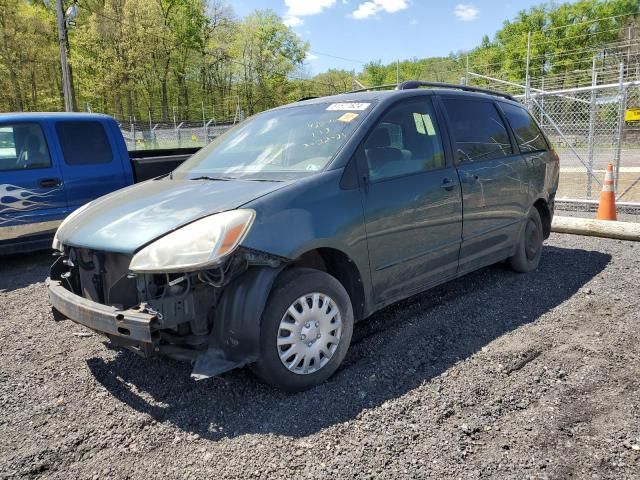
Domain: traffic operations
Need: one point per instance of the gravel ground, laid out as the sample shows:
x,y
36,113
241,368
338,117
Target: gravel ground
x,y
495,375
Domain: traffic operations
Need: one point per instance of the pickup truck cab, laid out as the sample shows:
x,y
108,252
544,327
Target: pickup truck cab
x,y
266,246
52,163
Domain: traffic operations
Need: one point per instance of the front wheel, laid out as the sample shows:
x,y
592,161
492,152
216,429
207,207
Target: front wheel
x,y
529,249
306,330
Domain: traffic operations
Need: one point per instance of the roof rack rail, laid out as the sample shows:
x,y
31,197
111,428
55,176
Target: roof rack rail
x,y
375,87
411,84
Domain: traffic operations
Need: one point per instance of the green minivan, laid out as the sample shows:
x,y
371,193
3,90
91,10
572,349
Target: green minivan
x,y
266,246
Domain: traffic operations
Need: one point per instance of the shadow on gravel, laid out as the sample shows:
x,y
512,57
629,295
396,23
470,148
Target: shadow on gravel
x,y
393,352
21,270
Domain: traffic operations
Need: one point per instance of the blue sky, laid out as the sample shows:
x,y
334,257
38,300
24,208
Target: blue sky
x,y
365,30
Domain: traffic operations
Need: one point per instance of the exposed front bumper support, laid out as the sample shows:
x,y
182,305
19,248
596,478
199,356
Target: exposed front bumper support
x,y
130,325
232,342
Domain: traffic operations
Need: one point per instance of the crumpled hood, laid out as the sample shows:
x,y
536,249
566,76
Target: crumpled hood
x,y
128,219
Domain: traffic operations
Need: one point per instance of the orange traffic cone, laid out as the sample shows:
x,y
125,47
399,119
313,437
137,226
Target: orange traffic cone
x,y
607,206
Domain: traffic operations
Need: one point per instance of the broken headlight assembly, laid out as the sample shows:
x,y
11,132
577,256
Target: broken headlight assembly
x,y
200,245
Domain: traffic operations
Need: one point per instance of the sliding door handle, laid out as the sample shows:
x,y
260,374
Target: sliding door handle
x,y
448,184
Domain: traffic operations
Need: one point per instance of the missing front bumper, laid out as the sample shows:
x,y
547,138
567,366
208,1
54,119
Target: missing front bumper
x,y
231,314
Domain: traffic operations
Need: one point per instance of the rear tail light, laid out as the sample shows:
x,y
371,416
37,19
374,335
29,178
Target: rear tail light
x,y
555,155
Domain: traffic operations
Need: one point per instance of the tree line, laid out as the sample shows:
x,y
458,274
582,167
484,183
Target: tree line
x,y
563,39
195,59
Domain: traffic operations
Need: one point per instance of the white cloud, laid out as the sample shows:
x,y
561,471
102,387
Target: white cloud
x,y
292,21
373,7
310,57
466,13
303,8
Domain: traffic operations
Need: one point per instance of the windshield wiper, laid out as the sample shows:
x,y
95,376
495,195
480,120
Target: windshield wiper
x,y
205,177
241,179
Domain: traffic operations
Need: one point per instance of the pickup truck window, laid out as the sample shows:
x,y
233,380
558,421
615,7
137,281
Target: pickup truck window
x,y
478,129
84,143
278,144
23,146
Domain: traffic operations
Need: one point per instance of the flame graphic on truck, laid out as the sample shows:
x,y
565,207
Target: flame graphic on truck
x,y
18,199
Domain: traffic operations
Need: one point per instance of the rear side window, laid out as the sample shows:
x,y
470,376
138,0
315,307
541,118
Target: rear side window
x,y
528,135
23,147
405,141
84,143
478,129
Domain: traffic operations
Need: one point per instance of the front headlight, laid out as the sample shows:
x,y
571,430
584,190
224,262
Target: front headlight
x,y
196,246
56,245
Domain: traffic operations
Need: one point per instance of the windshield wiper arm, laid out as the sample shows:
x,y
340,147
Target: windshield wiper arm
x,y
205,177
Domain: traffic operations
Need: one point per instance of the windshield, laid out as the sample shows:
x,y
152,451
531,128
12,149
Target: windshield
x,y
279,144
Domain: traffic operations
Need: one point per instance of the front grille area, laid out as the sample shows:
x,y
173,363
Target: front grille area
x,y
102,277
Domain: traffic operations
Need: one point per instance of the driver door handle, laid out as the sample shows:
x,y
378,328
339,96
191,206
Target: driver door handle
x,y
49,182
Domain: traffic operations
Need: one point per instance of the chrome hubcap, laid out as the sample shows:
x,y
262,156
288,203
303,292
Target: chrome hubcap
x,y
309,333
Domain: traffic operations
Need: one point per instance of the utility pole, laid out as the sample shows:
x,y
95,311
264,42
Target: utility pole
x,y
66,77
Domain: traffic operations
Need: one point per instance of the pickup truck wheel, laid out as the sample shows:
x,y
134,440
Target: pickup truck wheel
x,y
529,250
306,330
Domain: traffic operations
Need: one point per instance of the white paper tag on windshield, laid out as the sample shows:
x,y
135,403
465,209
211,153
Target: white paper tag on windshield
x,y
348,106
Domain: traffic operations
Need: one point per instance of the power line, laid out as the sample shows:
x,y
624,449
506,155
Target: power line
x,y
337,57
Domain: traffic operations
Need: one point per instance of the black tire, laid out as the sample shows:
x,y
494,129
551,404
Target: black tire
x,y
290,286
529,249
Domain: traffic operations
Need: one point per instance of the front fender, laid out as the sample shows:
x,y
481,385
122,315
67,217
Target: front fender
x,y
235,337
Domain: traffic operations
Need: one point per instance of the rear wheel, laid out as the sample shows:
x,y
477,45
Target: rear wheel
x,y
306,330
529,250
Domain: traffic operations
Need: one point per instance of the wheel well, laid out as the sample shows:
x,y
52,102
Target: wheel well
x,y
545,216
339,265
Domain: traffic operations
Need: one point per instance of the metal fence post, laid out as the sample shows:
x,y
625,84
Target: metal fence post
x,y
542,103
527,82
154,138
179,133
592,126
133,133
620,127
204,124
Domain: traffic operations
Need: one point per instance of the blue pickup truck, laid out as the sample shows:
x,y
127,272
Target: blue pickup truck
x,y
52,163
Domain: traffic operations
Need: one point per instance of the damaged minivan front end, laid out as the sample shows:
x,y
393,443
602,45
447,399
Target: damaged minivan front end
x,y
183,295
206,315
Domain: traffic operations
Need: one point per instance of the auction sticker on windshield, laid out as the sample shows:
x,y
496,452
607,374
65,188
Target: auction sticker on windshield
x,y
348,106
347,117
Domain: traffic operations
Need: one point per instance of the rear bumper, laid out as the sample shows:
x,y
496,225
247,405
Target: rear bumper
x,y
130,326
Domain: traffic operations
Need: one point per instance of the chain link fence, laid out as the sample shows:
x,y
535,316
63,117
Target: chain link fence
x,y
591,127
168,135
